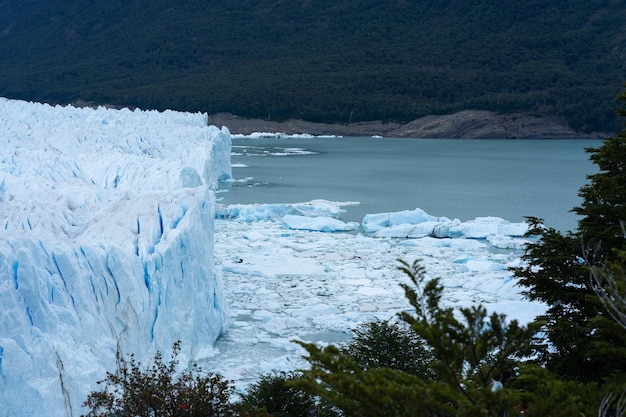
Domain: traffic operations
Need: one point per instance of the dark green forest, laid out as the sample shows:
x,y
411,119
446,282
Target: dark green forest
x,y
321,60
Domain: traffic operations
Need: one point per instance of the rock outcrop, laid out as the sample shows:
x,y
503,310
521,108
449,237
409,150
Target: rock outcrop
x,y
478,124
467,124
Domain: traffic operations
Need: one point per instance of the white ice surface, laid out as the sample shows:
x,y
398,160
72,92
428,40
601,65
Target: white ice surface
x,y
106,245
285,284
319,224
418,223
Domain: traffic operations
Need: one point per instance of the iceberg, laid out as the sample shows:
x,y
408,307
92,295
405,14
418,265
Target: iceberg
x,y
319,224
266,212
316,215
106,246
419,224
372,223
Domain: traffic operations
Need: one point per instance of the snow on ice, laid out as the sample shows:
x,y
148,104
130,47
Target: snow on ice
x,y
113,242
106,246
286,283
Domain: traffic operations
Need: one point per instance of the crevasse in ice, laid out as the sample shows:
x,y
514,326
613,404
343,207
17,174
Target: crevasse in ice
x,y
106,246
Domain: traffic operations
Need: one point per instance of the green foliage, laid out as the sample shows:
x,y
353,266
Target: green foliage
x,y
321,60
274,395
387,344
603,209
544,394
157,391
584,344
468,348
611,286
376,392
554,273
613,405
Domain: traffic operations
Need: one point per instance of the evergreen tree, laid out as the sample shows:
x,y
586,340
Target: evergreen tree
x,y
273,394
376,392
469,351
610,282
583,343
390,344
543,393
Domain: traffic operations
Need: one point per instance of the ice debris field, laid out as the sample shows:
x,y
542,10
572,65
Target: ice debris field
x,y
113,240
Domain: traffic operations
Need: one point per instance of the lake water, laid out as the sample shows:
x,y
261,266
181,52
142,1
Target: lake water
x,y
461,178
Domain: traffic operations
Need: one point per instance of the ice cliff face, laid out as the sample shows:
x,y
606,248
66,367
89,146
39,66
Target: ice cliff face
x,y
106,246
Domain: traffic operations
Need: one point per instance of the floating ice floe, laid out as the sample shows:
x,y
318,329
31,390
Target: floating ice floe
x,y
259,212
418,224
323,216
320,224
285,283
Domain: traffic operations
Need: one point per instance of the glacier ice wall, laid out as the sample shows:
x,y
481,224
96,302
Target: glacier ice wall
x,y
106,246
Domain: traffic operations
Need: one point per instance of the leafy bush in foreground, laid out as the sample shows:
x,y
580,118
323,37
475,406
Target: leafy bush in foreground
x,y
156,391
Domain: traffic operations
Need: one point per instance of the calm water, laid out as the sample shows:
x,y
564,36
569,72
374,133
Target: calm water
x,y
461,179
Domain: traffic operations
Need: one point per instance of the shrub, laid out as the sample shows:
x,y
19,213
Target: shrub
x,y
274,394
390,344
157,391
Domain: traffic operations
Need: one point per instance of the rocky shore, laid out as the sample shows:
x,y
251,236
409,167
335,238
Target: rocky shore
x,y
468,124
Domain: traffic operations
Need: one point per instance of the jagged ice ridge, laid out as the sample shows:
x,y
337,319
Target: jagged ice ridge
x,y
107,220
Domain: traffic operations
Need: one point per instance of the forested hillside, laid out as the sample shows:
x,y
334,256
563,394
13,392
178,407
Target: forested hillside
x,y
321,60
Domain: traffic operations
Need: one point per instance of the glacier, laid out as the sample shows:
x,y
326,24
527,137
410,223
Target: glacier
x,y
107,246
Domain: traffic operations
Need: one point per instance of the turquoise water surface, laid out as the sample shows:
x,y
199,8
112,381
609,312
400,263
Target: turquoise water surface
x,y
455,178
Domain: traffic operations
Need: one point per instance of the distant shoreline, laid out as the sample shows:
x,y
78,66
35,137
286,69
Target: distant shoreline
x,y
468,124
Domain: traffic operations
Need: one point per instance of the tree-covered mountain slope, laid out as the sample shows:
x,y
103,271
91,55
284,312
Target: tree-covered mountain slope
x,y
321,60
